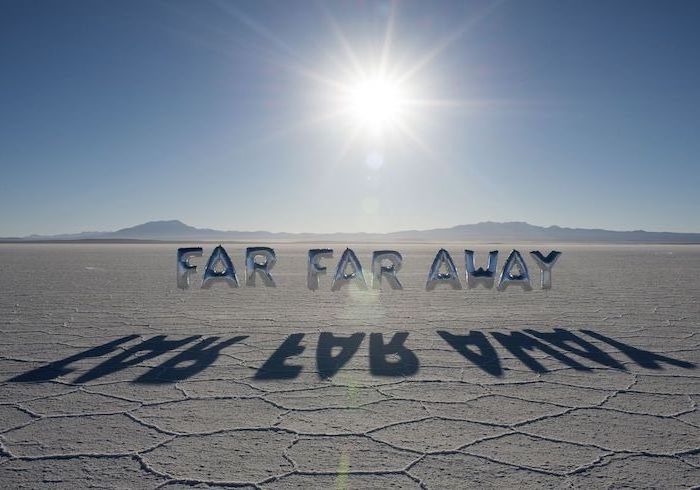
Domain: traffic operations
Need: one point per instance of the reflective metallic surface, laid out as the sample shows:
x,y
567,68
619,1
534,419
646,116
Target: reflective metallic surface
x,y
251,266
184,268
341,277
507,276
545,264
389,272
436,277
482,276
227,275
313,268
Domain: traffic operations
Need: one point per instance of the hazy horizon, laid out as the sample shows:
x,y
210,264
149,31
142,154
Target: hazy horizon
x,y
162,229
365,117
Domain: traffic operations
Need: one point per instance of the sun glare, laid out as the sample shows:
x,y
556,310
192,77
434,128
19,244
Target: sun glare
x,y
375,103
372,97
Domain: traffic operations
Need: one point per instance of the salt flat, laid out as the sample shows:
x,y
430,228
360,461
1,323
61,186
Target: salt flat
x,y
112,377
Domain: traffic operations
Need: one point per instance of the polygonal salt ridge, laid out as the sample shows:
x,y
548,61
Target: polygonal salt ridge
x,y
326,397
209,415
349,420
596,378
432,390
231,456
137,392
535,453
692,417
74,472
325,454
639,471
214,388
650,403
453,470
376,481
12,416
419,435
79,402
668,384
554,394
500,410
22,392
83,434
601,428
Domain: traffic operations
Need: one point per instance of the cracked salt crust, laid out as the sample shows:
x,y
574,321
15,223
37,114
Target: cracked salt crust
x,y
449,425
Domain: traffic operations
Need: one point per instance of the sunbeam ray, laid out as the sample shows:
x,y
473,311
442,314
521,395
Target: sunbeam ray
x,y
446,42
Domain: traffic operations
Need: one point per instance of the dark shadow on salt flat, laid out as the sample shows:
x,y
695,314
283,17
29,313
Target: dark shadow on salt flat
x,y
329,364
276,366
60,367
391,359
189,362
386,358
644,358
518,344
486,357
476,348
574,344
148,349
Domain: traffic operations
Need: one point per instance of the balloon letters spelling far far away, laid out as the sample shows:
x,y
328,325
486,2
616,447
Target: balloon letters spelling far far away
x,y
385,266
475,276
545,264
507,277
348,259
314,268
212,274
436,277
184,268
252,266
389,272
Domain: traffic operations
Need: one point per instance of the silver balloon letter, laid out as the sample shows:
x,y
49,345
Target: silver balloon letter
x,y
212,275
379,270
436,277
314,269
545,264
184,268
507,276
251,266
480,276
341,277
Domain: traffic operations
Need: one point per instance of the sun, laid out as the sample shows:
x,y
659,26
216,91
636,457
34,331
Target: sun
x,y
375,103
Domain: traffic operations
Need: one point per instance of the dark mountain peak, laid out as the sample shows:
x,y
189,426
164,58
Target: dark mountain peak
x,y
495,225
160,228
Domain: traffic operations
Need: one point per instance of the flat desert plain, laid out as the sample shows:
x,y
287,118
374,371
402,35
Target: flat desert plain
x,y
113,377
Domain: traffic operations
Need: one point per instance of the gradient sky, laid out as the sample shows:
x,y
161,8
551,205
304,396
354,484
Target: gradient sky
x,y
576,113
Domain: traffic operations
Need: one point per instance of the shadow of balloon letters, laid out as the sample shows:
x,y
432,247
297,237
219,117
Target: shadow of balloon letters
x,y
385,359
476,348
390,358
182,366
61,367
189,362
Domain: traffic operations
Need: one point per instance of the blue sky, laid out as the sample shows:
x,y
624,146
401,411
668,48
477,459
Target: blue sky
x,y
230,115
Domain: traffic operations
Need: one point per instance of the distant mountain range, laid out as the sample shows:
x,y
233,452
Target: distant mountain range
x,y
514,231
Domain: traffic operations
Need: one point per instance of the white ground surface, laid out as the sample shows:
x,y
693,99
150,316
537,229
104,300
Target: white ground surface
x,y
102,384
